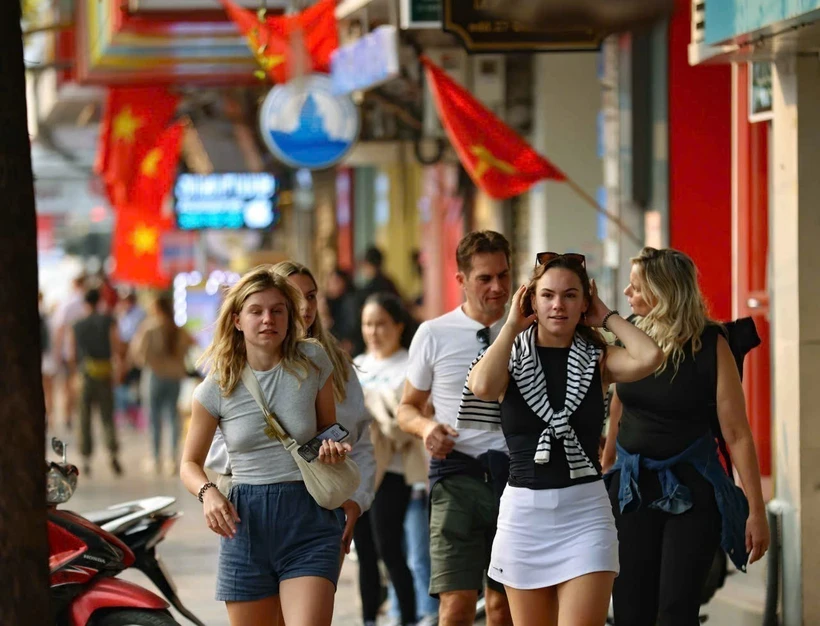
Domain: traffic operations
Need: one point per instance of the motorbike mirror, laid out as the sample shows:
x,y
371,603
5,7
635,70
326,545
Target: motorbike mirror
x,y
59,447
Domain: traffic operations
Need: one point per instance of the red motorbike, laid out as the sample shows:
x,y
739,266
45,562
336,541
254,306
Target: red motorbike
x,y
84,561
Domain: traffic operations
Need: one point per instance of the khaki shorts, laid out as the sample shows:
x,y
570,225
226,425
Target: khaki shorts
x,y
463,515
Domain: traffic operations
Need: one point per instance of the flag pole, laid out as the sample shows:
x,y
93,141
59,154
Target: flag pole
x,y
594,204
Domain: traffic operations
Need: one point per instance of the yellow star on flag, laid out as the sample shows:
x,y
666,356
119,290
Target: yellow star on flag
x,y
487,160
145,240
150,163
266,61
126,125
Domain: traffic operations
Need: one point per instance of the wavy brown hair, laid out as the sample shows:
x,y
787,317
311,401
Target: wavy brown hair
x,y
227,355
561,262
679,312
338,357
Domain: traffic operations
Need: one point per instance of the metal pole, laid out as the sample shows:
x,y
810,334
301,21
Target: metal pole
x,y
591,201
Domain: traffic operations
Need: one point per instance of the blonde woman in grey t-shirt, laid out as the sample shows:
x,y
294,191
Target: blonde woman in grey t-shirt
x,y
274,537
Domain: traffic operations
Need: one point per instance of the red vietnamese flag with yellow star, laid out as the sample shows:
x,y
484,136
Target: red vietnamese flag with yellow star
x,y
134,119
276,41
137,247
269,50
316,26
157,170
498,160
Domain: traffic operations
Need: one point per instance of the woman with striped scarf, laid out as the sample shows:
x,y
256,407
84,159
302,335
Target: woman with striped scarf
x,y
556,548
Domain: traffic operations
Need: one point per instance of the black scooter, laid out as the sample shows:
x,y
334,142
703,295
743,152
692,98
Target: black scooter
x,y
141,525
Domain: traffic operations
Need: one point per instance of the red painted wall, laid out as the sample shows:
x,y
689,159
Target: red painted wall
x,y
700,164
752,237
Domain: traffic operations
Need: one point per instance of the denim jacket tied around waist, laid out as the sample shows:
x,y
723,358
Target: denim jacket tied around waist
x,y
676,497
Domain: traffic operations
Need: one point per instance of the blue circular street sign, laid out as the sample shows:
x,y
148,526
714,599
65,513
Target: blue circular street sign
x,y
305,125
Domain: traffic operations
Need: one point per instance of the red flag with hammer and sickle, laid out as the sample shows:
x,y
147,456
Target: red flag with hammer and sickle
x,y
498,160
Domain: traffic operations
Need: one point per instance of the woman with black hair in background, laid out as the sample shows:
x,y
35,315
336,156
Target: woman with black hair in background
x,y
401,462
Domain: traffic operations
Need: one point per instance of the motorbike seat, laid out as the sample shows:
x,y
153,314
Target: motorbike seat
x,y
109,515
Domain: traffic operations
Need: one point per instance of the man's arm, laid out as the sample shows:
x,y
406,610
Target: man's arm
x,y
437,437
410,413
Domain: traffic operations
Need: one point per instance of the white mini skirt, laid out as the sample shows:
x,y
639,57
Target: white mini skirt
x,y
548,536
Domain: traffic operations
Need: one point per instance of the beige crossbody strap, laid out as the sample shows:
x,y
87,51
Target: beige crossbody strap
x,y
273,429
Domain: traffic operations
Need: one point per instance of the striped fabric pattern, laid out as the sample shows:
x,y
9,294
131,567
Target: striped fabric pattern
x,y
474,413
525,368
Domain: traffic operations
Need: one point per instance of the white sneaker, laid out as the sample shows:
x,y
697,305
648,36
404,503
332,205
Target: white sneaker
x,y
428,620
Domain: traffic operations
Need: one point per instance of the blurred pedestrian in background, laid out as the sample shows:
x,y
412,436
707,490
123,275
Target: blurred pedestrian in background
x,y
342,312
127,394
375,280
160,347
402,540
68,312
95,356
48,364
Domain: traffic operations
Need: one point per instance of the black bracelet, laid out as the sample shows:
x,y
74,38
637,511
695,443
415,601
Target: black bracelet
x,y
606,317
203,489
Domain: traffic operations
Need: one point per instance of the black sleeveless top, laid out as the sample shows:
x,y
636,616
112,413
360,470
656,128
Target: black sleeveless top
x,y
664,414
522,427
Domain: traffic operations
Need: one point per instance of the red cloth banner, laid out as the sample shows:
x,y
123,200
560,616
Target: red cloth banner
x,y
137,247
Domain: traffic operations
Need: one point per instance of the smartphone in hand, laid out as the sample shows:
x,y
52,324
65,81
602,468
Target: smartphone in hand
x,y
335,432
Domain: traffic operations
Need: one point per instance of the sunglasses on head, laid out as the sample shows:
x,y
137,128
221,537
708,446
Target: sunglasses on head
x,y
548,257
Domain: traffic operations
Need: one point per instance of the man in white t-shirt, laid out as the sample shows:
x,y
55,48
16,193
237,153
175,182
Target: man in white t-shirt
x,y
463,500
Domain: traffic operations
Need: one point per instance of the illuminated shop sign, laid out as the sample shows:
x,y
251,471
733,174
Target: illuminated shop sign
x,y
226,201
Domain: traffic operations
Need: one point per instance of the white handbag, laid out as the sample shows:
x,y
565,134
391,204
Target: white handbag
x,y
330,485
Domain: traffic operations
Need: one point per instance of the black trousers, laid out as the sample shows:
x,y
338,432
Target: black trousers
x,y
664,558
370,584
387,516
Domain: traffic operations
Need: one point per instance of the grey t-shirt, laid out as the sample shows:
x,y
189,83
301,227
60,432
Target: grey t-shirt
x,y
256,459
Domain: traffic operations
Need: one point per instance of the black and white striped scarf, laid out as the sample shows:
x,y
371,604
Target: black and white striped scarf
x,y
525,368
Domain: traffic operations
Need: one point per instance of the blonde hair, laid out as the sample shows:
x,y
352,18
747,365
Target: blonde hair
x,y
227,355
338,357
679,312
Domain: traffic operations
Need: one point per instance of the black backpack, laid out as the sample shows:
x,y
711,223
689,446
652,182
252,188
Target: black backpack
x,y
742,337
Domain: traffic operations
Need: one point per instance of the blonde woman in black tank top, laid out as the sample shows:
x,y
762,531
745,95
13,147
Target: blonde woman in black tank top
x,y
666,551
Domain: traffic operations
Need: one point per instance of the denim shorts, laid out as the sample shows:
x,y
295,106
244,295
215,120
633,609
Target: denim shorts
x,y
282,534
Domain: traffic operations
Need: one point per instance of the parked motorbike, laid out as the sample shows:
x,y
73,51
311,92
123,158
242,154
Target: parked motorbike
x,y
142,525
84,561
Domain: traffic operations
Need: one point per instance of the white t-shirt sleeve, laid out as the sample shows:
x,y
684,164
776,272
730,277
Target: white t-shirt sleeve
x,y
422,357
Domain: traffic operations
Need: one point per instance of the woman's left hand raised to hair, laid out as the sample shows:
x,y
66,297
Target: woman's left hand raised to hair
x,y
333,452
597,309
